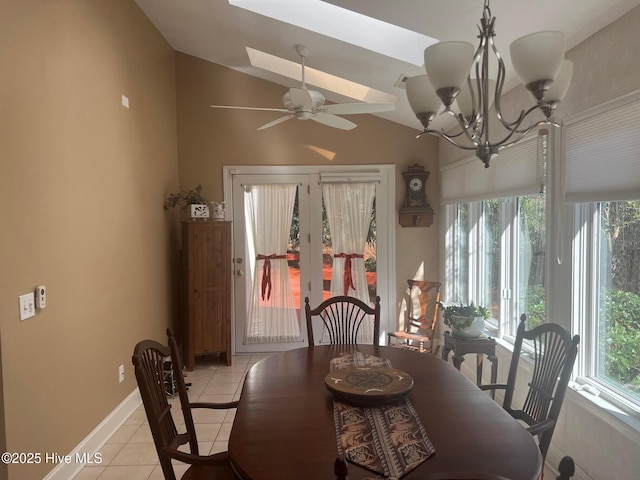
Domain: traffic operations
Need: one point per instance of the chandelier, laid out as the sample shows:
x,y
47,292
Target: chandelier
x,y
455,72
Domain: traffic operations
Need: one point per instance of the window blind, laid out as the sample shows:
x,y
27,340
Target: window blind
x,y
516,171
602,152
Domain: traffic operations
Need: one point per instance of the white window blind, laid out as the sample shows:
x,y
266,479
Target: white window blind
x,y
602,152
515,172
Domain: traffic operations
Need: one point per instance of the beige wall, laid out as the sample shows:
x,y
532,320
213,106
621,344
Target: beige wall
x,y
82,183
81,189
209,139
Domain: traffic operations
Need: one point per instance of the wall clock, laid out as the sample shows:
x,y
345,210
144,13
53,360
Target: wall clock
x,y
415,210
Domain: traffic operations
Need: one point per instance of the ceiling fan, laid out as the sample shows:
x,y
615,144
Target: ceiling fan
x,y
305,104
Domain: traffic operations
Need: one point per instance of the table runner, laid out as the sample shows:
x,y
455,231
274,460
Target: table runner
x,y
389,440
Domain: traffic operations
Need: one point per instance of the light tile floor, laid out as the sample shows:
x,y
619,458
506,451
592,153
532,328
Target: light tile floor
x,y
130,453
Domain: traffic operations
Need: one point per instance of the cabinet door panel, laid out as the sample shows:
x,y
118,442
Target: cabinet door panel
x,y
207,270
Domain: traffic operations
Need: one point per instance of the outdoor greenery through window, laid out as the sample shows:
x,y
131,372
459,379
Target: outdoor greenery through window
x,y
495,257
617,359
532,258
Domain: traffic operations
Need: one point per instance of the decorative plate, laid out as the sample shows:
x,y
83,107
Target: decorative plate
x,y
368,386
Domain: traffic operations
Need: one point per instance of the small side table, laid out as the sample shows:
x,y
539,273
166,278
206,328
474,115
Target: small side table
x,y
479,346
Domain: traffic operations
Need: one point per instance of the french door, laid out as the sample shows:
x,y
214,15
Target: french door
x,y
280,260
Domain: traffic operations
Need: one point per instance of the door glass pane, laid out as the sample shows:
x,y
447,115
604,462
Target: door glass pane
x,y
618,333
293,253
327,255
370,262
531,258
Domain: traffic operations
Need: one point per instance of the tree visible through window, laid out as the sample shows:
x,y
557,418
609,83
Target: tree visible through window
x,y
618,340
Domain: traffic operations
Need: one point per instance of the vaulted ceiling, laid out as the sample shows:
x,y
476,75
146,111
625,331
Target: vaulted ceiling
x,y
226,33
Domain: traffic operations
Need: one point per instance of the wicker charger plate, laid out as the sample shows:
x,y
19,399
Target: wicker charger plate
x,y
368,386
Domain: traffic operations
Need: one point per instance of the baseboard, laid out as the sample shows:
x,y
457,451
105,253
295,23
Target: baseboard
x,y
83,453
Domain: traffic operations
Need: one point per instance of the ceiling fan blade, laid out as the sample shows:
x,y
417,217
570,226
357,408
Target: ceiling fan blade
x,y
250,108
301,97
333,121
352,108
275,122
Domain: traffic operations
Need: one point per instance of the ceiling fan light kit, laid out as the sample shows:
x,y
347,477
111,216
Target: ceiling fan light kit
x,y
456,72
305,104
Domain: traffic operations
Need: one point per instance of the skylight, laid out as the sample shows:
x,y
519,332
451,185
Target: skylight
x,y
345,25
317,78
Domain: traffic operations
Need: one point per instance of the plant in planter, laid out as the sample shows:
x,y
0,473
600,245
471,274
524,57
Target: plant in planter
x,y
464,320
189,198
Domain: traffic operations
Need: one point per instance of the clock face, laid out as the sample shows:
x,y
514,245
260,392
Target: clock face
x,y
415,184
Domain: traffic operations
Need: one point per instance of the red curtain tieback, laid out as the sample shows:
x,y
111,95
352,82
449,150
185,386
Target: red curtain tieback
x,y
266,272
347,275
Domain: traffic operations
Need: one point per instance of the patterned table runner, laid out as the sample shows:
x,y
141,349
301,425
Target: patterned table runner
x,y
389,440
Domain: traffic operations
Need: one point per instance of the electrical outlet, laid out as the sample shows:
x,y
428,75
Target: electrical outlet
x,y
121,373
27,306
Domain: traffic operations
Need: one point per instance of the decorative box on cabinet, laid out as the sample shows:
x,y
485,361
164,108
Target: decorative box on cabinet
x,y
206,269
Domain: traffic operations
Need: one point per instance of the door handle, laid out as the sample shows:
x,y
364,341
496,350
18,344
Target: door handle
x,y
240,273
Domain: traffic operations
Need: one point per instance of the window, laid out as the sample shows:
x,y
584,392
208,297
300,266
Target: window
x,y
495,241
497,250
607,279
606,245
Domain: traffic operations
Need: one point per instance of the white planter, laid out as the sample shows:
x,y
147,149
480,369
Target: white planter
x,y
472,331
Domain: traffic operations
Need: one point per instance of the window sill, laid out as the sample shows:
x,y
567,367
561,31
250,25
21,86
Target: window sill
x,y
591,399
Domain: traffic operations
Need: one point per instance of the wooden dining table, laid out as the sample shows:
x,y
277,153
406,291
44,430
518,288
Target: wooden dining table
x,y
284,425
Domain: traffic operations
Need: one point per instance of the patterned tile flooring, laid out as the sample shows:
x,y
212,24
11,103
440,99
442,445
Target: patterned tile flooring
x,y
130,453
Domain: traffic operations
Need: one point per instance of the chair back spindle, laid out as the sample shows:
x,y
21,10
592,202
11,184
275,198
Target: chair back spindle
x,y
343,318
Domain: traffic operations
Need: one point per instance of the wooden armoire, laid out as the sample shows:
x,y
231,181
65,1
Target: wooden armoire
x,y
206,299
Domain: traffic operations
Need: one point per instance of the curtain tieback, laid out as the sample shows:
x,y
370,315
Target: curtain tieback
x,y
266,272
347,275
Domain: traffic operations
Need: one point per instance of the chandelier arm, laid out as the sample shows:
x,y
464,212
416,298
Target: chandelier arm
x,y
450,139
520,134
466,128
483,89
523,114
441,133
498,93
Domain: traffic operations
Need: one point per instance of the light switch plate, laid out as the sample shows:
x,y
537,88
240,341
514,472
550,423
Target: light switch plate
x,y
27,306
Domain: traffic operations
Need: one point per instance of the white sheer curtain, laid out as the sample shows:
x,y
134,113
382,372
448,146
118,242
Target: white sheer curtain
x,y
272,315
348,207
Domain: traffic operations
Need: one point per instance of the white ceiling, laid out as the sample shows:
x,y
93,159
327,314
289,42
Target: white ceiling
x,y
218,32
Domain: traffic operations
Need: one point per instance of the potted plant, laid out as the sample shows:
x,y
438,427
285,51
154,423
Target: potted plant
x,y
189,198
465,320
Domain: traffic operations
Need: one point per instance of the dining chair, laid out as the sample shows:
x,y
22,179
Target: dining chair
x,y
552,352
343,317
340,468
566,468
148,359
419,330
